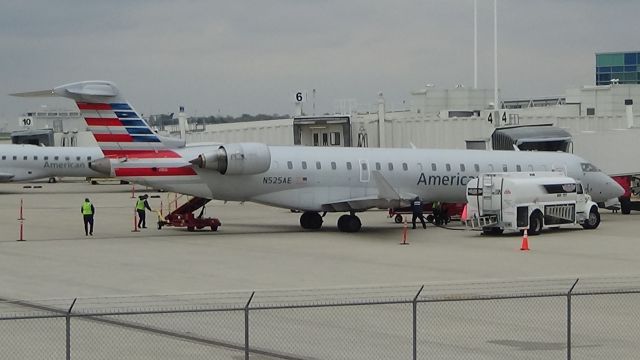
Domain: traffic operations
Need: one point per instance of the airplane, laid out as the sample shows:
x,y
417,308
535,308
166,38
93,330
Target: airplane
x,y
24,162
313,180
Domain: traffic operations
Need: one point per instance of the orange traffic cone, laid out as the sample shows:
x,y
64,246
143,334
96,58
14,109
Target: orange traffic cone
x,y
135,221
463,216
525,241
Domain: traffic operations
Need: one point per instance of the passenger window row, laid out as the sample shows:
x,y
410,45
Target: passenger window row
x,y
405,166
348,165
45,158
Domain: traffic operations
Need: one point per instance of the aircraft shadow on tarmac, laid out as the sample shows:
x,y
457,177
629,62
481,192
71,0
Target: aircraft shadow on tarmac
x,y
230,229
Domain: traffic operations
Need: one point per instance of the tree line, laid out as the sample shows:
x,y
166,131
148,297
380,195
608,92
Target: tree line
x,y
168,119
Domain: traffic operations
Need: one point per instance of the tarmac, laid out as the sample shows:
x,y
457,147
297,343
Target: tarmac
x,y
259,247
264,249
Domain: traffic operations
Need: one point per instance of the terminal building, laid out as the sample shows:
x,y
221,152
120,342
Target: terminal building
x,y
597,117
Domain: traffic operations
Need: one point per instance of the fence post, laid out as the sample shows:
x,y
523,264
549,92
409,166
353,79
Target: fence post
x,y
246,327
569,319
415,323
68,334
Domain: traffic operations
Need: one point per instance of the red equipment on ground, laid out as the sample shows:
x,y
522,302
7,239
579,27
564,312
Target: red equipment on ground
x,y
629,200
184,217
448,212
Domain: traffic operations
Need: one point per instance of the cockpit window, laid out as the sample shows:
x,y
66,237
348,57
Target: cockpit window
x,y
587,167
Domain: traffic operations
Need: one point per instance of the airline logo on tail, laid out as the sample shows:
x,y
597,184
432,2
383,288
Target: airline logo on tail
x,y
121,132
130,147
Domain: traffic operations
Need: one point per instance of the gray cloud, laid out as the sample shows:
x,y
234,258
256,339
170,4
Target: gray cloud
x,y
249,56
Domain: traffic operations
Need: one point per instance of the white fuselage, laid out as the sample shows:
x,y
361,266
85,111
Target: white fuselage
x,y
30,162
314,178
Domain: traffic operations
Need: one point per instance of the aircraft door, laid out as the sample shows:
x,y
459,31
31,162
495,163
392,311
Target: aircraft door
x,y
364,170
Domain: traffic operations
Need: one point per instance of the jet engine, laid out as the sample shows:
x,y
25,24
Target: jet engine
x,y
236,159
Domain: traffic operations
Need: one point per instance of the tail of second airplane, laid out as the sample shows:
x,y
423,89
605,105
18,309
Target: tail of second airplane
x,y
118,129
132,149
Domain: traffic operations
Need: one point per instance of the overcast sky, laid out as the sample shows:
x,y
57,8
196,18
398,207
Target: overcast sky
x,y
250,56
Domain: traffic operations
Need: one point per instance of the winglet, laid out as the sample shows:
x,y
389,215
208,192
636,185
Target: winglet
x,y
385,190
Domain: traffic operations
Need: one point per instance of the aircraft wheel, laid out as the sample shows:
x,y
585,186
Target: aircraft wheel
x,y
349,223
311,220
593,220
342,223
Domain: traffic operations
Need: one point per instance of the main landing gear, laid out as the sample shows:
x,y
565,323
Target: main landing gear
x,y
312,220
349,223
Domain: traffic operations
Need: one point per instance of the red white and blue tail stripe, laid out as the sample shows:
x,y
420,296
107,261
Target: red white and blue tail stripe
x,y
121,132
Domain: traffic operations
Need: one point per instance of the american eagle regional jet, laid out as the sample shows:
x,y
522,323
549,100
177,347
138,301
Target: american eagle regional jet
x,y
310,179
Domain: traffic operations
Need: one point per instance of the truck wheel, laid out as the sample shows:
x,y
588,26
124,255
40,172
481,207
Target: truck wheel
x,y
398,219
625,205
593,220
535,224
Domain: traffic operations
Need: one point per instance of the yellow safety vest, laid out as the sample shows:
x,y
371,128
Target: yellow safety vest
x,y
86,208
140,204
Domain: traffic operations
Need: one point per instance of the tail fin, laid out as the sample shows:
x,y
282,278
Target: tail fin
x,y
116,126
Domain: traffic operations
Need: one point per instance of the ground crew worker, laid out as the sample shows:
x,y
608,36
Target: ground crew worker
x,y
416,208
87,211
436,208
141,205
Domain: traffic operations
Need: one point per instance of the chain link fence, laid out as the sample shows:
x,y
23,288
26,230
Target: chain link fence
x,y
592,318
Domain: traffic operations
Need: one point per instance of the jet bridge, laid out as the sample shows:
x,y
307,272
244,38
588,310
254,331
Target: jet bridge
x,y
33,137
544,137
328,130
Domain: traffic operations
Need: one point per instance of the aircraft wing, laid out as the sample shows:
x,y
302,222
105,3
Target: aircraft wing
x,y
387,197
4,177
